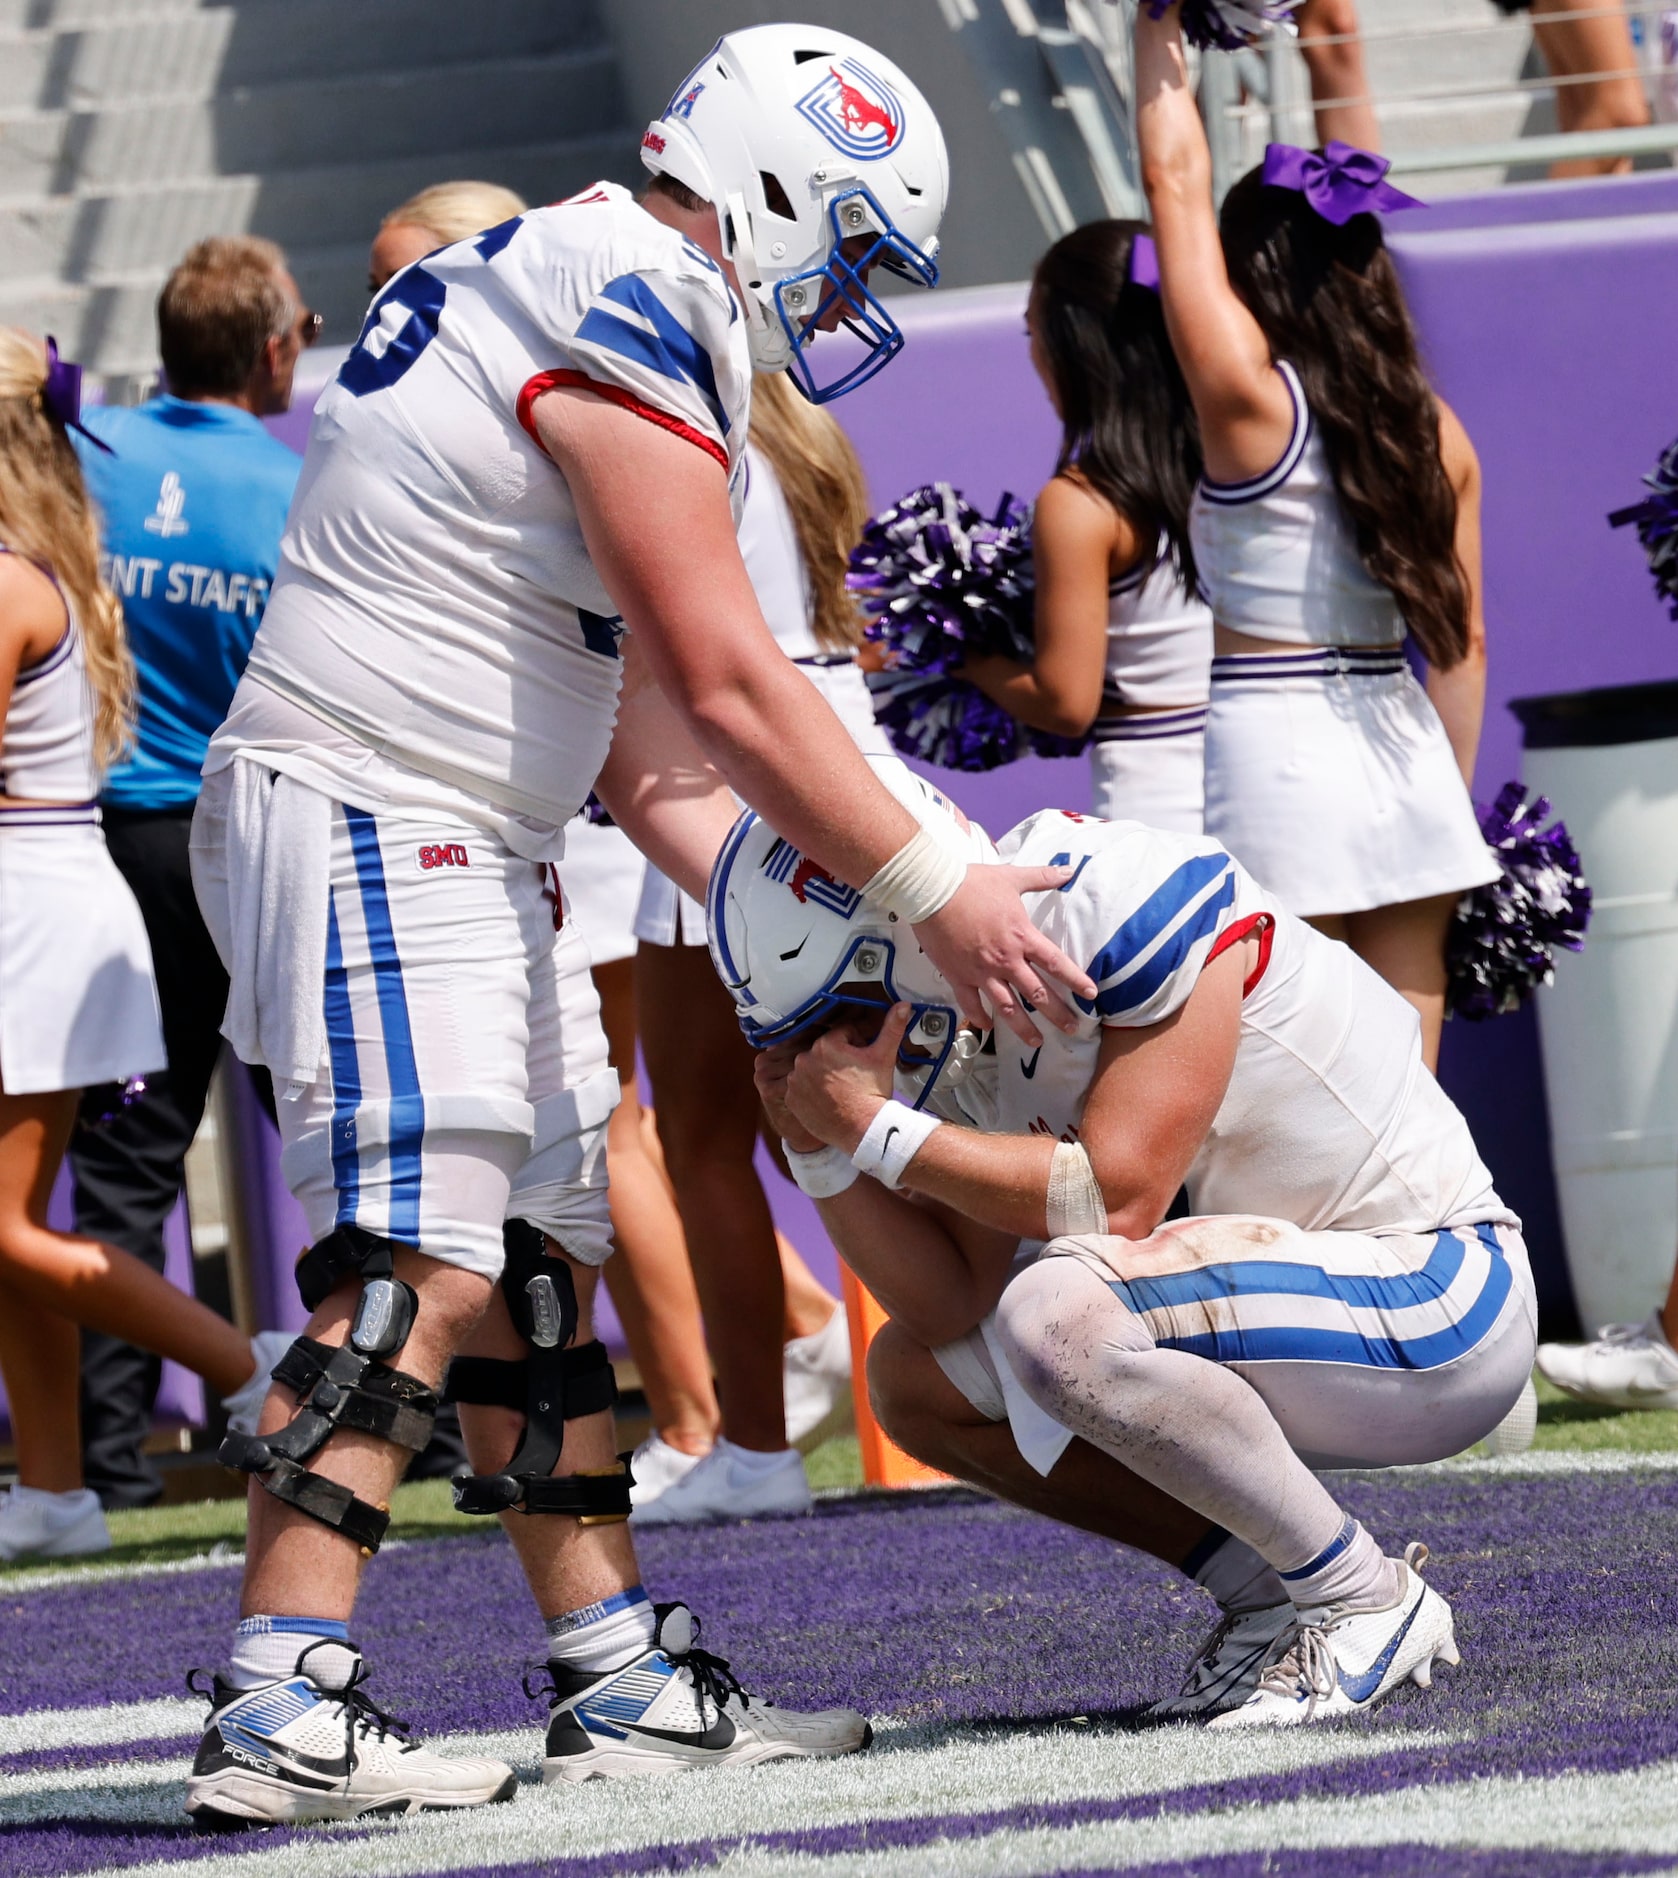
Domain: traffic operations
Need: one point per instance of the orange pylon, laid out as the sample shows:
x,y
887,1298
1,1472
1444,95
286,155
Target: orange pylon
x,y
884,1464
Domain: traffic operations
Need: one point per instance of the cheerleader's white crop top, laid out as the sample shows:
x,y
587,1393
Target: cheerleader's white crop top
x,y
1159,640
46,754
1276,558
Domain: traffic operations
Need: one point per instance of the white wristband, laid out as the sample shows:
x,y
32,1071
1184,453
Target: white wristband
x,y
922,876
893,1140
820,1174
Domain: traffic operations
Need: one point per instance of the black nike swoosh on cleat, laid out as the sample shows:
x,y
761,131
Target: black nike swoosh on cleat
x,y
720,1734
1028,1068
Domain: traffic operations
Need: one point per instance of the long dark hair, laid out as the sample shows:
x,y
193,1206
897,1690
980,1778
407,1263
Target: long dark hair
x,y
1329,302
1128,426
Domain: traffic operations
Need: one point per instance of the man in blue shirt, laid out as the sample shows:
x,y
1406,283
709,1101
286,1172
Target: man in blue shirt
x,y
193,498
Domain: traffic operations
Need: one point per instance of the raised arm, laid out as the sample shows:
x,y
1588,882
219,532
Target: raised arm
x,y
1075,538
1245,411
1459,695
682,588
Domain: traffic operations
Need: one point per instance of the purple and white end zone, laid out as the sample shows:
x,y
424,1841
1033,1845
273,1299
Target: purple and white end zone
x,y
1005,1662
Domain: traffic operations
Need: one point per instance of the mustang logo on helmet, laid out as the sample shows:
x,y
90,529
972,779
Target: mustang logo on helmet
x,y
809,883
855,111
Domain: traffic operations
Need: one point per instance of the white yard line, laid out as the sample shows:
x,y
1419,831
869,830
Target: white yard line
x,y
106,1726
1629,1812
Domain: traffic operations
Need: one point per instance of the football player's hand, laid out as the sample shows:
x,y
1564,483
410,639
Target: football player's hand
x,y
770,1072
996,960
836,1087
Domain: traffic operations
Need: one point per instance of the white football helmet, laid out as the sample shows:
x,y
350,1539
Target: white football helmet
x,y
807,140
795,947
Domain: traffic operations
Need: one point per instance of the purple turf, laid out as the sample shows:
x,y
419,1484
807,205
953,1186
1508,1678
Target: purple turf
x,y
43,1760
952,1609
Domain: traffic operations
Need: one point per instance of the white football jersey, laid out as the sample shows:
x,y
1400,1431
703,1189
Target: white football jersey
x,y
1330,1119
435,600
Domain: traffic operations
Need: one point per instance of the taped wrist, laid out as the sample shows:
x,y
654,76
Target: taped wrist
x,y
335,1388
1075,1201
922,877
822,1173
895,1136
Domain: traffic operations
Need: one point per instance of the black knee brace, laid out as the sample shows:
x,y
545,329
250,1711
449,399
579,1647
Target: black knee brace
x,y
550,1387
348,1387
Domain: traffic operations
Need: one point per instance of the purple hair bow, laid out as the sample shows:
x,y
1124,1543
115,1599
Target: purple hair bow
x,y
1142,269
62,395
1339,182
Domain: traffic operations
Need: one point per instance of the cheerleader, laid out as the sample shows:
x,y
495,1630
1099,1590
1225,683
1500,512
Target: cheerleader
x,y
78,1006
778,1339
1123,648
1337,513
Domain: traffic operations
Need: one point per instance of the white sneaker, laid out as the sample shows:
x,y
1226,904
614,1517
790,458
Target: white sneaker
x,y
678,1707
1629,1366
816,1377
293,1751
656,1465
719,1487
1338,1662
1227,1669
35,1524
244,1405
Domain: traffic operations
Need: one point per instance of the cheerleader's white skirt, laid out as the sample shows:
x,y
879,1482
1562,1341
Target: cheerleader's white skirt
x,y
600,878
1330,778
1151,768
78,1003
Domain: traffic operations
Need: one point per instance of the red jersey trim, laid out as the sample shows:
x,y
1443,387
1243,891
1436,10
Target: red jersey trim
x,y
613,394
1264,924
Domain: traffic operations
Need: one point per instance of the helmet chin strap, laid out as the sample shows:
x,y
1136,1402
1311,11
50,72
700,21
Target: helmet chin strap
x,y
770,349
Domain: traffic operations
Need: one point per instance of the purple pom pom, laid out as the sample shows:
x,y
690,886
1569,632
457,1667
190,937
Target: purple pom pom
x,y
1227,25
1656,517
596,813
939,582
1502,940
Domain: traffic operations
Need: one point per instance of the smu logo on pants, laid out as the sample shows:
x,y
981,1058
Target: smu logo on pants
x,y
437,854
855,111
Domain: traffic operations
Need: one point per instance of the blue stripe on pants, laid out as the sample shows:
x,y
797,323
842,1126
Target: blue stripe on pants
x,y
407,1105
346,1074
1282,1343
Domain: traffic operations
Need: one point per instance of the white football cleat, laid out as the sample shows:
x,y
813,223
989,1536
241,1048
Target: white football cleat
x,y
674,1708
816,1381
1227,1668
293,1751
244,1405
1627,1366
656,1466
1333,1661
36,1524
719,1487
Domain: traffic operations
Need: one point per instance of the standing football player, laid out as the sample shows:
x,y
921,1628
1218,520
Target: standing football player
x,y
1351,1291
525,479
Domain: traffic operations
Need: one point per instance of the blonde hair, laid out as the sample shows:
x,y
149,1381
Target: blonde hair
x,y
823,483
452,211
46,518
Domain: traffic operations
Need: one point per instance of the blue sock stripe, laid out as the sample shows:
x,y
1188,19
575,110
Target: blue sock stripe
x,y
1330,1552
570,1622
335,1628
407,1105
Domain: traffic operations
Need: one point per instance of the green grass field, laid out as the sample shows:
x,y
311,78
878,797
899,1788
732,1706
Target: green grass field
x,y
425,1511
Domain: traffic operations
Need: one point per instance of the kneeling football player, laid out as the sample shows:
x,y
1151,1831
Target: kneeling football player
x,y
1349,1292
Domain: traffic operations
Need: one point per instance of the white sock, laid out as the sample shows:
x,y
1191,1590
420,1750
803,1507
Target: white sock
x,y
266,1649
1350,1570
1235,1575
753,1462
603,1636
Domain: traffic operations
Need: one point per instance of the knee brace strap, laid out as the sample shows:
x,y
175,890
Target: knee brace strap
x,y
550,1388
336,1388
385,1314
